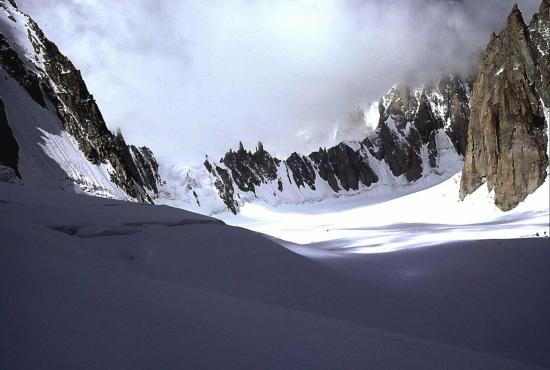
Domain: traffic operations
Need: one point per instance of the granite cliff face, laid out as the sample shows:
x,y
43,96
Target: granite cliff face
x,y
507,136
418,130
56,86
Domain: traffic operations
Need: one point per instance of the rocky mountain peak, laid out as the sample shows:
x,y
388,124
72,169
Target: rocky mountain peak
x,y
516,17
506,136
517,34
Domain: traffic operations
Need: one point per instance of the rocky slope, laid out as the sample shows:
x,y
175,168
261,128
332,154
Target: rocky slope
x,y
507,136
31,63
420,131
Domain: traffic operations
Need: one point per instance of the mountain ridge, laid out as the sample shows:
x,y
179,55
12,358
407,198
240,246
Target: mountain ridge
x,y
416,128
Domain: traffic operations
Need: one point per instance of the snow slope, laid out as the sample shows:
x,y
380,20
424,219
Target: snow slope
x,y
96,283
49,156
386,218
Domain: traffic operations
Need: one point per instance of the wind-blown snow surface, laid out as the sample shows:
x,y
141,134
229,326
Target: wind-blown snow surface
x,y
385,218
104,284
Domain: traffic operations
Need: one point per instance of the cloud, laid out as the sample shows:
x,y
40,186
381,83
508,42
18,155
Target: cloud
x,y
194,77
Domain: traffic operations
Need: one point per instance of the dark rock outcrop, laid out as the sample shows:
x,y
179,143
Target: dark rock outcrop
x,y
326,172
9,149
248,169
507,138
302,170
224,185
345,164
341,167
147,167
10,61
456,98
539,32
410,120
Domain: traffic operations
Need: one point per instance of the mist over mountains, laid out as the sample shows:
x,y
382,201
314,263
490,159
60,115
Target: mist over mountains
x,y
195,77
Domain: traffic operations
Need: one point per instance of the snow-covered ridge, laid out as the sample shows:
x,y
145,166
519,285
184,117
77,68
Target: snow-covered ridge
x,y
198,189
63,139
418,133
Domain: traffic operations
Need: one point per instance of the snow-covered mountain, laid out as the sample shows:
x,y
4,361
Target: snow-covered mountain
x,y
53,133
419,132
55,136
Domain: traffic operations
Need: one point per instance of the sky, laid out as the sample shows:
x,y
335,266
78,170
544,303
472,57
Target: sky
x,y
194,77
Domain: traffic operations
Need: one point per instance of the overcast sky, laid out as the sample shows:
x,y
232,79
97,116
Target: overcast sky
x,y
189,78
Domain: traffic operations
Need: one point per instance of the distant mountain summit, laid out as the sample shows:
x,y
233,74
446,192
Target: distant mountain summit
x,y
53,134
507,136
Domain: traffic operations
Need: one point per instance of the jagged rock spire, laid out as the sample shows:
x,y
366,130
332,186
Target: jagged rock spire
x,y
506,137
516,17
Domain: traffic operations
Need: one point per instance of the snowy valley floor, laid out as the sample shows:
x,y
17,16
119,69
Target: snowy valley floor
x,y
92,283
387,218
